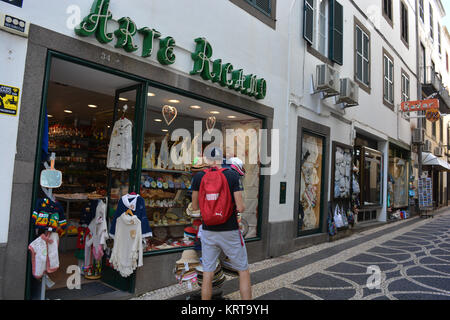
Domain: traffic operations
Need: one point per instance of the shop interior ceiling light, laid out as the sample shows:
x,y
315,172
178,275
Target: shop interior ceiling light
x,y
158,120
174,101
165,130
231,117
93,106
151,94
123,99
195,107
215,112
67,111
50,116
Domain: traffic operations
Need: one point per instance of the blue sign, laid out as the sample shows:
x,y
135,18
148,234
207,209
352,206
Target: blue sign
x,y
17,3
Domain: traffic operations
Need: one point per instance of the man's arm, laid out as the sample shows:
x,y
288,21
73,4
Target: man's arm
x,y
239,201
195,205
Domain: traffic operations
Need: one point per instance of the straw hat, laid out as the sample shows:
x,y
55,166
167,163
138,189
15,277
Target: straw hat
x,y
190,212
188,256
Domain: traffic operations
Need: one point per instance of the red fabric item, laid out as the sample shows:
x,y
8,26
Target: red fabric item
x,y
216,204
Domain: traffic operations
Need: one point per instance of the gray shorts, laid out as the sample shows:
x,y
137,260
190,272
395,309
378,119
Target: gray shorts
x,y
230,242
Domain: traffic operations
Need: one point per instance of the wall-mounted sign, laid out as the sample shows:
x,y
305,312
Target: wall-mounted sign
x,y
224,74
14,25
9,100
17,3
420,105
432,115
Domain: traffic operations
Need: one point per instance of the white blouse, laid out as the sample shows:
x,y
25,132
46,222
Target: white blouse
x,y
120,152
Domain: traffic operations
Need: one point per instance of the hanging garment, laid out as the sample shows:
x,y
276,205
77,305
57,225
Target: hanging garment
x,y
127,253
120,151
137,205
163,158
48,216
149,160
44,254
97,235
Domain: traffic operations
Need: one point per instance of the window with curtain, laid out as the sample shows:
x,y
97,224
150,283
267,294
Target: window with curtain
x,y
388,79
362,56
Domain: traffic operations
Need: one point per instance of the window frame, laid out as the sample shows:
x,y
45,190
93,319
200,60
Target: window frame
x,y
388,103
258,13
388,19
404,6
405,76
439,39
421,11
366,32
431,23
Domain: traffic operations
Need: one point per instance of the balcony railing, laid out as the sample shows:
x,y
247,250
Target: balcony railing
x,y
430,77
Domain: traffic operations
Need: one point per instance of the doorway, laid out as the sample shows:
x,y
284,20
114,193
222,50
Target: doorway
x,y
81,107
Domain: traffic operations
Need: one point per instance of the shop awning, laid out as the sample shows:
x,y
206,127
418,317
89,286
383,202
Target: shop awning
x,y
429,159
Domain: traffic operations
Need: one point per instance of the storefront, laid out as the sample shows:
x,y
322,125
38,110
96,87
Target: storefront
x,y
369,163
311,179
399,197
83,91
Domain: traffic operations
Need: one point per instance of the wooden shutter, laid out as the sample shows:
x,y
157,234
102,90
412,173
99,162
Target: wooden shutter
x,y
308,20
336,18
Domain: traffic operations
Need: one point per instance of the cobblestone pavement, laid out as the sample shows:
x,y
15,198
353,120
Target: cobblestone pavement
x,y
413,257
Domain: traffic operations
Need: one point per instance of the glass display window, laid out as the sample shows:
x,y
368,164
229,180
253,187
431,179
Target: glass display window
x,y
370,164
311,185
342,174
178,132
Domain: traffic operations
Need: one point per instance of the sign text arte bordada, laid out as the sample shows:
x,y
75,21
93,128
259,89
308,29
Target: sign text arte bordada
x,y
211,70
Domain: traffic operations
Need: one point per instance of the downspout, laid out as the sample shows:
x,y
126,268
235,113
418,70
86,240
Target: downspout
x,y
288,90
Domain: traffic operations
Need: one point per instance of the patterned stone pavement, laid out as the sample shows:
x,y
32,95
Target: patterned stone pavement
x,y
413,257
414,265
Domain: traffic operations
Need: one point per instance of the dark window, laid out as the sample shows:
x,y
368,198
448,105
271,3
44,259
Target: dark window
x,y
263,10
263,5
446,60
433,129
441,130
336,17
421,10
387,9
404,22
308,19
439,38
431,23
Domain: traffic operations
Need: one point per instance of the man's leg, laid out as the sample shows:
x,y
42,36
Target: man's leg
x,y
245,285
207,285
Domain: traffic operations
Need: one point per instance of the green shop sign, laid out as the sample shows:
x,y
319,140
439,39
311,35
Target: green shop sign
x,y
211,70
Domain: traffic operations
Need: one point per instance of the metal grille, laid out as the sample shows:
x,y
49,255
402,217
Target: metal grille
x,y
262,5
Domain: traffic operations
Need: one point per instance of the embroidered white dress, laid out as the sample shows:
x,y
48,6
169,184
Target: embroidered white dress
x,y
120,151
127,253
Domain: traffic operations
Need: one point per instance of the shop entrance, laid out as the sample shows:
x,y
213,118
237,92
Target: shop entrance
x,y
81,107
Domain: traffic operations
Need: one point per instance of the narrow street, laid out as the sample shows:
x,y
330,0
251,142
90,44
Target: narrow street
x,y
413,256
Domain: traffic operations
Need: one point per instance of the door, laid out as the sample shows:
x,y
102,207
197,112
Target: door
x,y
129,104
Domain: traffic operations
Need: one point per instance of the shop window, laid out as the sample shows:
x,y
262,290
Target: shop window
x,y
369,162
398,182
312,170
169,166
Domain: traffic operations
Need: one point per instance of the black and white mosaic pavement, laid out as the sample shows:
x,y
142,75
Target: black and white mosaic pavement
x,y
413,266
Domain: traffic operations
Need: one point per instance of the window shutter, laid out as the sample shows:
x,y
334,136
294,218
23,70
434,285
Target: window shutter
x,y
308,20
336,32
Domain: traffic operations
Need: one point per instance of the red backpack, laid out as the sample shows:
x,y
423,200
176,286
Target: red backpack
x,y
214,196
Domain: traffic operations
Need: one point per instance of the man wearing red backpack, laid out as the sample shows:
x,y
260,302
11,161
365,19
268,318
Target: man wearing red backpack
x,y
217,192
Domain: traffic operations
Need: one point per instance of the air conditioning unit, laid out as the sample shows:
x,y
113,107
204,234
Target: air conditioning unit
x,y
327,80
418,135
349,93
438,151
427,146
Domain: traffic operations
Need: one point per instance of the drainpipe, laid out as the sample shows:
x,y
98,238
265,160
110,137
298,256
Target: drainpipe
x,y
419,87
288,91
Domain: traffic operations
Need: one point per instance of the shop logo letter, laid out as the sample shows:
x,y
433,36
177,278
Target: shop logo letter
x,y
74,280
